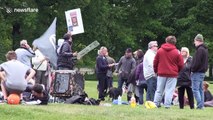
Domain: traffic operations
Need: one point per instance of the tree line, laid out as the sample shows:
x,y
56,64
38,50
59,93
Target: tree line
x,y
116,24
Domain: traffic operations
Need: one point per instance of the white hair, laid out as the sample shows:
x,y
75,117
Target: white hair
x,y
186,50
23,42
151,43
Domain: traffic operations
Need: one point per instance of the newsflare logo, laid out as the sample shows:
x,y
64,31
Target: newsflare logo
x,y
9,10
20,10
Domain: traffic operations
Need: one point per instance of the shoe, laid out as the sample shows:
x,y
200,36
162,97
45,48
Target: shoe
x,y
200,108
5,101
101,99
167,107
22,102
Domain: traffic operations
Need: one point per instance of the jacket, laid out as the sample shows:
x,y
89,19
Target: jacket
x,y
101,64
139,72
38,63
148,60
24,55
200,59
184,78
126,66
65,56
168,61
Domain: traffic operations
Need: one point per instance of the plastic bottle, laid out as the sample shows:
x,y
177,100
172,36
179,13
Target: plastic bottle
x,y
133,101
119,100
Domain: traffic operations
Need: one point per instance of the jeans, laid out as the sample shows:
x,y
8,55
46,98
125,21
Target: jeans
x,y
151,88
197,88
165,85
121,82
141,89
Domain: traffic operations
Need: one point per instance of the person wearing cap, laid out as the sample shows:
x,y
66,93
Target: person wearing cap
x,y
126,65
65,55
184,80
25,53
198,68
148,70
167,64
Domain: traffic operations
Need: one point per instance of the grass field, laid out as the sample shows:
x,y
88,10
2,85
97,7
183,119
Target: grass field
x,y
82,112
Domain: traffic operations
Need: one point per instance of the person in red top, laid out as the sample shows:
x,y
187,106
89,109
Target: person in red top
x,y
167,64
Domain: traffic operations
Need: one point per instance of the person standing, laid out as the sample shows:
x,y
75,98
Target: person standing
x,y
148,70
184,80
167,64
133,88
141,84
199,67
65,55
25,53
40,64
126,66
101,70
110,71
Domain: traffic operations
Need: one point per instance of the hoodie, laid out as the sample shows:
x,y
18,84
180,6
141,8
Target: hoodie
x,y
200,59
168,61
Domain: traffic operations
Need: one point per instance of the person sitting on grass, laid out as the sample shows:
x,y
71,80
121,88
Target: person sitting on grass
x,y
13,75
208,98
39,94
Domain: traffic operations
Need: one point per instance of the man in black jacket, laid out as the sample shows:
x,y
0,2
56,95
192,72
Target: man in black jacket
x,y
101,69
199,67
66,55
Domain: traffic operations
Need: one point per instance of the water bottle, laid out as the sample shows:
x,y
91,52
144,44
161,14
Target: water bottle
x,y
133,101
119,100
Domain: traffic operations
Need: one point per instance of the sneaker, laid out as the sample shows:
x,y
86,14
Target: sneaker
x,y
22,102
5,101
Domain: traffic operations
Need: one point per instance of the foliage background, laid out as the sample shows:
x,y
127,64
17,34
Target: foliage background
x,y
116,24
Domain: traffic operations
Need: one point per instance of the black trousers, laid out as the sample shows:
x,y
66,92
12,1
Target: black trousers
x,y
181,91
102,85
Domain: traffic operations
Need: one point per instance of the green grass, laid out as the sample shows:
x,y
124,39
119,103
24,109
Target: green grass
x,y
82,112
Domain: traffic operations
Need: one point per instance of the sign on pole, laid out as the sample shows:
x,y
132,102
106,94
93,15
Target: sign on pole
x,y
87,49
74,21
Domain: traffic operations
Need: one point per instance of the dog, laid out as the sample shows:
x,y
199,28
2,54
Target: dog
x,y
114,93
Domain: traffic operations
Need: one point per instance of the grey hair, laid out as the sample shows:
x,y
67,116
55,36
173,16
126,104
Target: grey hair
x,y
151,43
102,48
23,42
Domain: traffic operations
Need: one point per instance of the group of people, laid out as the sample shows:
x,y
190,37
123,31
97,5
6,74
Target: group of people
x,y
17,74
28,70
159,71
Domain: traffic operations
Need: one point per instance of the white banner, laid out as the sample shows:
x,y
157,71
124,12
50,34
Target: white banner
x,y
74,21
